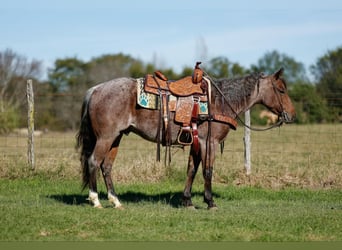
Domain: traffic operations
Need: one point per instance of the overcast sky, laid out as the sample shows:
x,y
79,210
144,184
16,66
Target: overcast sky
x,y
171,33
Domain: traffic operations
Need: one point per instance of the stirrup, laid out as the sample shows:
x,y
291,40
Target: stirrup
x,y
185,136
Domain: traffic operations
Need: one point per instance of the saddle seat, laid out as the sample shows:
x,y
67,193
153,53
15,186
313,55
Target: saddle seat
x,y
183,87
187,86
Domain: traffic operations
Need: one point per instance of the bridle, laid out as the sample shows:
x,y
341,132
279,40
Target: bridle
x,y
281,118
284,116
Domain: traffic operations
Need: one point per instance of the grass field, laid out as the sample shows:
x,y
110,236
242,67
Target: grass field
x,y
37,209
293,194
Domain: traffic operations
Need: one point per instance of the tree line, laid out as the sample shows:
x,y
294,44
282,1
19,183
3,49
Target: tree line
x,y
58,99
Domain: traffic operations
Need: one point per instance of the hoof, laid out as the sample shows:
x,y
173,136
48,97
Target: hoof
x,y
187,203
192,207
98,206
94,199
119,208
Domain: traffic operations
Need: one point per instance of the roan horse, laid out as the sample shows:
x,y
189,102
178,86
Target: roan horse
x,y
270,117
110,110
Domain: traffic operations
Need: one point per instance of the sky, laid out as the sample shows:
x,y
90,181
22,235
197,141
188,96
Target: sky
x,y
173,33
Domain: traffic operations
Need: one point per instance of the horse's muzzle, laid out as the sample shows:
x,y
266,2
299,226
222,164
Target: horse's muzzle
x,y
286,117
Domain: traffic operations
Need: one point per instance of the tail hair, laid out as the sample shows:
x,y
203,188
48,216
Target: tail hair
x,y
85,139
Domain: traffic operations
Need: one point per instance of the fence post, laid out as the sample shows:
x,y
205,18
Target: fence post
x,y
247,142
30,124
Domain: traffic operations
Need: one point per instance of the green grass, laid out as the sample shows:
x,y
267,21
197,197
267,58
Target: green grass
x,y
293,194
41,209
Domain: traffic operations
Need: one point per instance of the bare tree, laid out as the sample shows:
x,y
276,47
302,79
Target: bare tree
x,y
201,53
15,69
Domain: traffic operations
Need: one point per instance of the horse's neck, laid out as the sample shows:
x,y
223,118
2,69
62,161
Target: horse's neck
x,y
241,107
235,107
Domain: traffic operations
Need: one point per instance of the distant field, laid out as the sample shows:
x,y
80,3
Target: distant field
x,y
307,156
293,194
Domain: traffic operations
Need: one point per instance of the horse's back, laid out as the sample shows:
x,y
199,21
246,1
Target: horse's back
x,y
115,86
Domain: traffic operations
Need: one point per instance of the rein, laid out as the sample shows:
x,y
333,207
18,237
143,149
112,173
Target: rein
x,y
278,124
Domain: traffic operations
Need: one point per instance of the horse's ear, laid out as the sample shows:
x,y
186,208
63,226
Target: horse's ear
x,y
279,73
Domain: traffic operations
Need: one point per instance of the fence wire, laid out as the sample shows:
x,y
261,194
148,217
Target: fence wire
x,y
305,155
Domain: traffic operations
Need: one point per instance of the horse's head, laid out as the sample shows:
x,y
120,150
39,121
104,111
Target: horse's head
x,y
275,97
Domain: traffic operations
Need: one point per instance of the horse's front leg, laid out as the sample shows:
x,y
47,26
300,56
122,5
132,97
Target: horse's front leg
x,y
193,164
208,163
208,195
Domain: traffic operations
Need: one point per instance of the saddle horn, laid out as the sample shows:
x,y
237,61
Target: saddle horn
x,y
197,75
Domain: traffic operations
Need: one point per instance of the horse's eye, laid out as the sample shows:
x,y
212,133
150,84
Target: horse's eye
x,y
282,91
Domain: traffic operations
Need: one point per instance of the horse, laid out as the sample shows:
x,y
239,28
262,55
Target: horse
x,y
110,110
271,117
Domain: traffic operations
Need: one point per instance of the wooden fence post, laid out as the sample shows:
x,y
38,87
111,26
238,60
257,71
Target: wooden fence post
x,y
30,124
247,142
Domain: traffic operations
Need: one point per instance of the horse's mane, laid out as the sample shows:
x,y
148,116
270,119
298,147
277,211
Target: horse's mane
x,y
239,89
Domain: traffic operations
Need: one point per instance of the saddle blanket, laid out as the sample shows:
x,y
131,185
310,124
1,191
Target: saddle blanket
x,y
152,101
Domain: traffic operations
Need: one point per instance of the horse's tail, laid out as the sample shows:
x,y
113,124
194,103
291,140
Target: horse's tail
x,y
86,138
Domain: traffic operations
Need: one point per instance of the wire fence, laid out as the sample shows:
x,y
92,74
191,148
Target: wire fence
x,y
299,155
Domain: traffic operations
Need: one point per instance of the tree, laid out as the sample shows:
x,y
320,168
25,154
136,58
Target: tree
x,y
272,61
71,77
328,74
221,67
68,80
310,106
107,67
186,71
66,74
15,69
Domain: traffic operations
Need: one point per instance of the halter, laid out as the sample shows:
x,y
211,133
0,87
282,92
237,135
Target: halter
x,y
283,115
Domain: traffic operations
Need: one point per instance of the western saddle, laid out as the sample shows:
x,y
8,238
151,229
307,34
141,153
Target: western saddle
x,y
189,91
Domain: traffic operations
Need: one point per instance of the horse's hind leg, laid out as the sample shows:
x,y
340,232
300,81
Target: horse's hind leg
x,y
95,162
106,168
93,195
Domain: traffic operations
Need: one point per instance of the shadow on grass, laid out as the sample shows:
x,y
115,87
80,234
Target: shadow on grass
x,y
171,198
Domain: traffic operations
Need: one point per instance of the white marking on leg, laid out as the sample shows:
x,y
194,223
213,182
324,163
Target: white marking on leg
x,y
113,199
94,199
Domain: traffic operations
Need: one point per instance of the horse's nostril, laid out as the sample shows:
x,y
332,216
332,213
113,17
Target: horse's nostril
x,y
288,118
